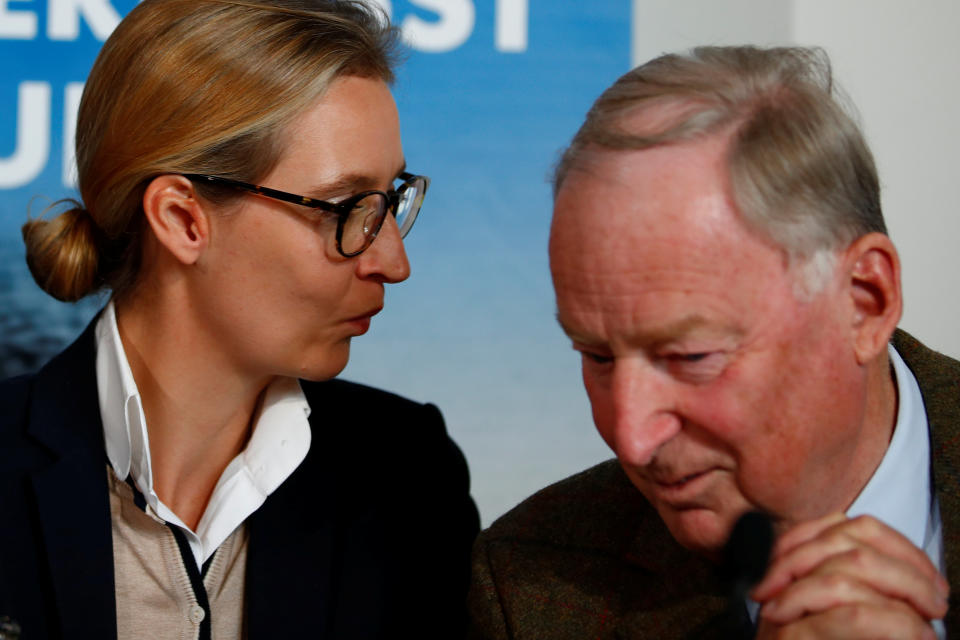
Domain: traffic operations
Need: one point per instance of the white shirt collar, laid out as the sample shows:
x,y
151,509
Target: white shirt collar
x,y
898,493
278,444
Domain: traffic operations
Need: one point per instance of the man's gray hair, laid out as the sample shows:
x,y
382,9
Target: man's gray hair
x,y
801,173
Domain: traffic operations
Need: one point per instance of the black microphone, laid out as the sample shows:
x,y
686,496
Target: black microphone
x,y
746,557
747,552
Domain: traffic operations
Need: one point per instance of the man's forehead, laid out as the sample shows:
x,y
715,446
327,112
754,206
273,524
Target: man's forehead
x,y
651,241
649,169
617,199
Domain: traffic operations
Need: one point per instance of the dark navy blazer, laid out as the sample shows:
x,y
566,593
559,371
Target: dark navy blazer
x,y
369,538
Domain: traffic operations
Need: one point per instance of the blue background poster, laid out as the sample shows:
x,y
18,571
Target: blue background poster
x,y
489,93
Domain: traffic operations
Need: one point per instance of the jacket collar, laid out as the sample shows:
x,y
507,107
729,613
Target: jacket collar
x,y
65,414
939,380
72,499
291,565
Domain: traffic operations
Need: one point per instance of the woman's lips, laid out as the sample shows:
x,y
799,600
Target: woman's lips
x,y
361,323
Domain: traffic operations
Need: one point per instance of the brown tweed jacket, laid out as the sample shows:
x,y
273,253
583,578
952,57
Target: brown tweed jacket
x,y
588,558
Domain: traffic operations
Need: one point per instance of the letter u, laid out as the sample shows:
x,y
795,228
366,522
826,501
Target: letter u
x,y
33,136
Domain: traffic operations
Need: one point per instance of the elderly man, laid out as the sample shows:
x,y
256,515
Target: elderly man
x,y
721,264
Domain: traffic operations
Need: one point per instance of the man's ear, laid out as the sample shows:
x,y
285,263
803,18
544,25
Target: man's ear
x,y
873,268
177,218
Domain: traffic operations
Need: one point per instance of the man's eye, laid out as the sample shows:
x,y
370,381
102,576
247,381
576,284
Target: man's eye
x,y
697,366
690,357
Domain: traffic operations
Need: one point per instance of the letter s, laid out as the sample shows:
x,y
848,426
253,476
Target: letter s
x,y
455,25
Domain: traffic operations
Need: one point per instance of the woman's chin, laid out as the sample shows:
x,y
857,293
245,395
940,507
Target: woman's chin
x,y
326,364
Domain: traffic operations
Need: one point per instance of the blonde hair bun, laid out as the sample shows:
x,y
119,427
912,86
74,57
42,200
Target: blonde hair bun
x,y
62,253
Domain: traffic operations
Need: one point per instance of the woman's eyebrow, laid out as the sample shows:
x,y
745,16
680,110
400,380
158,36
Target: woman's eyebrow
x,y
349,182
341,184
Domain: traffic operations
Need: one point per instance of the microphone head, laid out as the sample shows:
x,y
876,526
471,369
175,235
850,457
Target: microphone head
x,y
747,552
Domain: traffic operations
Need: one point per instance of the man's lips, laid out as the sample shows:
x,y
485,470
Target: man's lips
x,y
682,492
681,487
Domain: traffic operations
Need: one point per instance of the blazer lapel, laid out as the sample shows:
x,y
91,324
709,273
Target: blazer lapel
x,y
290,561
71,493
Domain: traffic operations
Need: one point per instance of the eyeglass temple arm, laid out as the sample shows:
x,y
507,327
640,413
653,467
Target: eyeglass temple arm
x,y
267,191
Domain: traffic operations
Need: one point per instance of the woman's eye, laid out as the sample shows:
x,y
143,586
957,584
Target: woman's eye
x,y
598,359
594,358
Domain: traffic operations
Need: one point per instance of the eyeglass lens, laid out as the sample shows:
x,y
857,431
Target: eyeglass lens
x,y
368,214
363,223
411,198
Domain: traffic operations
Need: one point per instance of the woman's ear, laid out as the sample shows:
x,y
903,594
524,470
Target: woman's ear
x,y
874,281
178,220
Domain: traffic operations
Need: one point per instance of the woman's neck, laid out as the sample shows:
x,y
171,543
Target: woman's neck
x,y
199,409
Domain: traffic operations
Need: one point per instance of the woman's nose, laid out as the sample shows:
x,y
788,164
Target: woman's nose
x,y
386,257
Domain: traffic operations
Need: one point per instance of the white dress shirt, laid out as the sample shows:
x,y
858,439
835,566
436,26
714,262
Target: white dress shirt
x,y
278,444
898,493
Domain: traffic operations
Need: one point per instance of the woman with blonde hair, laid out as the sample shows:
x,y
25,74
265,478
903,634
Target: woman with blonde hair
x,y
187,468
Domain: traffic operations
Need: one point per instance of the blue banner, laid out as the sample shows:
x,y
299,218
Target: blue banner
x,y
489,93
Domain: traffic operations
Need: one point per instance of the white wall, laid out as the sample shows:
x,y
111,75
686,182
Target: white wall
x,y
898,62
661,26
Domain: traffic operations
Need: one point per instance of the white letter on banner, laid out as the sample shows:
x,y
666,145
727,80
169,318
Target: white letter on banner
x,y
449,32
71,104
511,25
63,18
33,136
19,25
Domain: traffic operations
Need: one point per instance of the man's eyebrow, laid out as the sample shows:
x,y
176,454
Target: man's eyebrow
x,y
571,333
693,325
662,335
678,329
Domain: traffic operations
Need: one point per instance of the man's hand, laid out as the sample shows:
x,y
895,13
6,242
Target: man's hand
x,y
840,578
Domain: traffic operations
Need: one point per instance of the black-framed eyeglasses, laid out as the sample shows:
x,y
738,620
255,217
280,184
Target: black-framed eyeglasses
x,y
359,217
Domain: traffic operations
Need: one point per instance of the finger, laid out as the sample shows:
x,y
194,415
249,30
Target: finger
x,y
839,538
850,579
800,550
893,620
891,542
804,532
786,543
817,594
890,577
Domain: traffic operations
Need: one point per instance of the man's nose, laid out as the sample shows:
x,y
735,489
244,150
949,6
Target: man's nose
x,y
385,258
643,411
